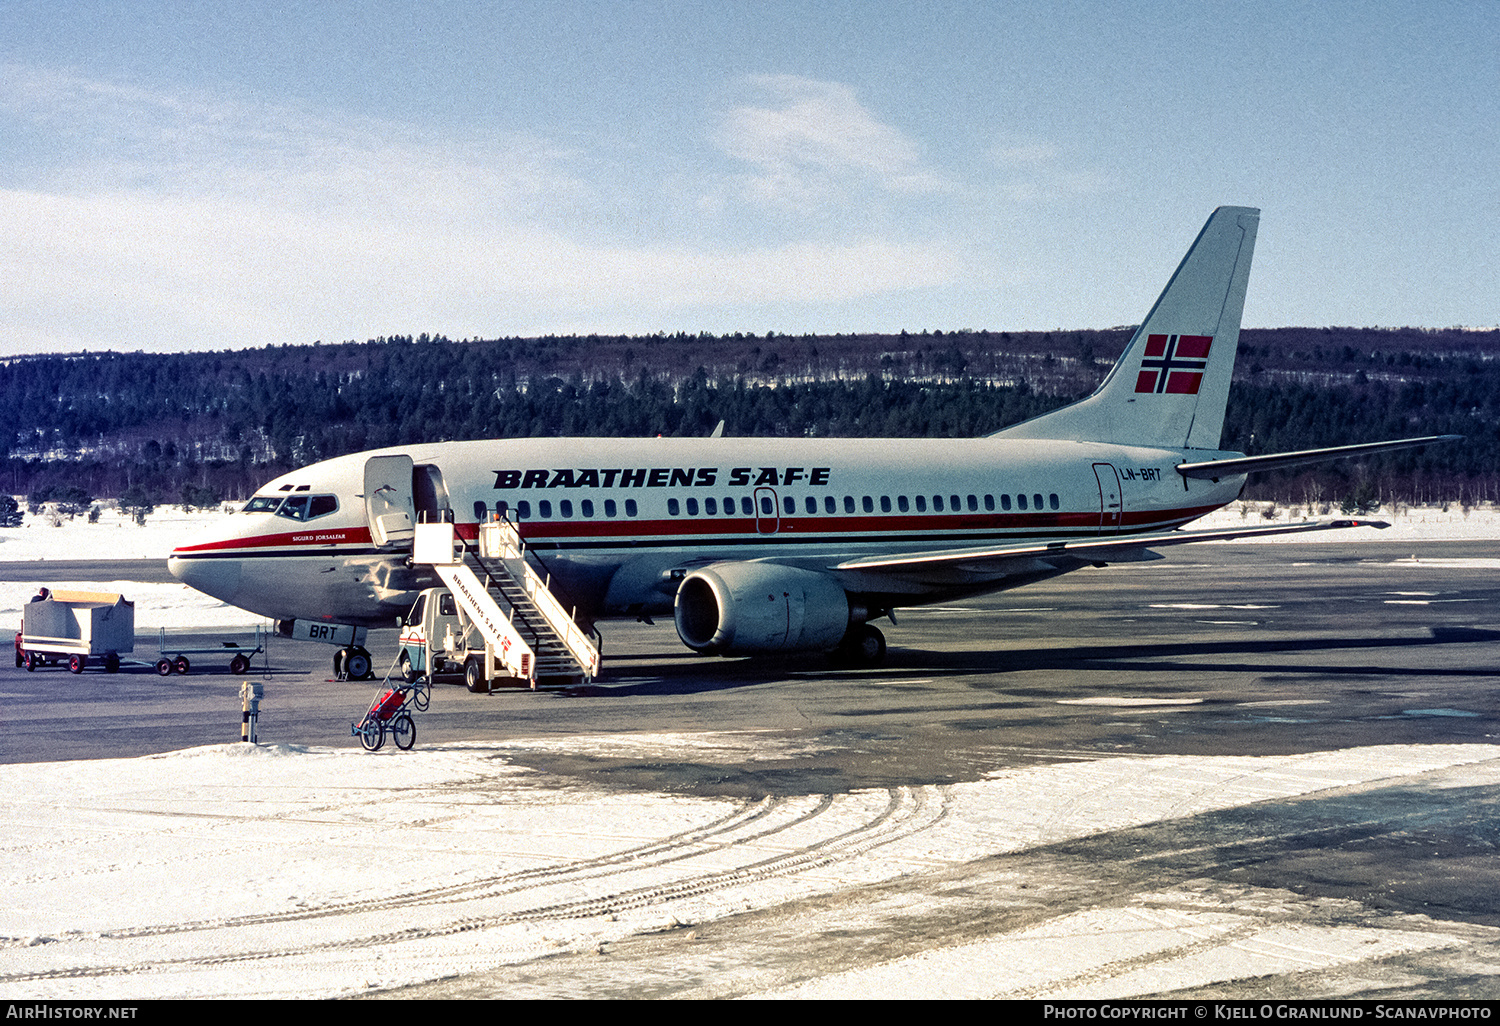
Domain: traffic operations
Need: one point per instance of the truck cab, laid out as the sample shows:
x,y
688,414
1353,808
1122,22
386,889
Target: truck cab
x,y
429,632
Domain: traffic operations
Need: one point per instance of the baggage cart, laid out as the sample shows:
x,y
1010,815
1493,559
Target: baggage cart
x,y
74,627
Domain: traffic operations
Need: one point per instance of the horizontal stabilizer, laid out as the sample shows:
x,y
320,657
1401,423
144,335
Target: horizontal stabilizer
x,y
1216,469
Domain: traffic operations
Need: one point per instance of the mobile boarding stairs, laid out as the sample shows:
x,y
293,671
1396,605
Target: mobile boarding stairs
x,y
526,632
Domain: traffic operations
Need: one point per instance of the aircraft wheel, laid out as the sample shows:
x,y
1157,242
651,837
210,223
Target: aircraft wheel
x,y
338,664
404,730
863,646
372,734
181,665
76,663
239,664
474,677
358,664
164,666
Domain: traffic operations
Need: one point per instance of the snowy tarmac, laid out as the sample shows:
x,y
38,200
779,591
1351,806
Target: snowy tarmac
x,y
492,867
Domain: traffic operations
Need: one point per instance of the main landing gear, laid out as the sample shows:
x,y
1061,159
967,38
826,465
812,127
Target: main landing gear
x,y
864,645
353,663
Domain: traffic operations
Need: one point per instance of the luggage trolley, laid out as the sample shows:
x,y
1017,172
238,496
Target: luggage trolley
x,y
175,657
391,711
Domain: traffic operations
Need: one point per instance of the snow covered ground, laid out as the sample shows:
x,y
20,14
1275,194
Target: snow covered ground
x,y
283,871
287,871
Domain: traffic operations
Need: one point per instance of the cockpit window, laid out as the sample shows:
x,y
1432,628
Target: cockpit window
x,y
262,504
307,507
294,508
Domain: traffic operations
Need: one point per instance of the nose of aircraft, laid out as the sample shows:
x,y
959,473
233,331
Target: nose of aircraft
x,y
217,577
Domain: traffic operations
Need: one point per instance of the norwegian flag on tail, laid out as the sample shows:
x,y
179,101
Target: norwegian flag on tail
x,y
1173,364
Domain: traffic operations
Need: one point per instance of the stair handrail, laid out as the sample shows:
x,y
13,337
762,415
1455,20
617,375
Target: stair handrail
x,y
573,637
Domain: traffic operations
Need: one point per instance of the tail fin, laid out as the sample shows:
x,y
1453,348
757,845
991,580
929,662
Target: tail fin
x,y
1171,384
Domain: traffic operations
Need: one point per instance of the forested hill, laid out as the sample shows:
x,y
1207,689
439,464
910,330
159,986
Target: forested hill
x,y
202,426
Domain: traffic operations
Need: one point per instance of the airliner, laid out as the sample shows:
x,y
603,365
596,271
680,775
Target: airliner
x,y
766,545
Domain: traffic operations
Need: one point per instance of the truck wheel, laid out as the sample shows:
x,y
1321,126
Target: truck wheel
x,y
76,663
30,662
474,677
111,663
239,664
407,673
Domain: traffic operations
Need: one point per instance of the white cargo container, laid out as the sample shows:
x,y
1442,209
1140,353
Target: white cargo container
x,y
76,626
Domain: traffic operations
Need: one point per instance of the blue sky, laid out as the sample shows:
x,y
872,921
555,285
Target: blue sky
x,y
219,175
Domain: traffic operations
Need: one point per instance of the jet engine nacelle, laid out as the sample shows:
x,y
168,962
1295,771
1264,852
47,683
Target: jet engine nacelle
x,y
751,608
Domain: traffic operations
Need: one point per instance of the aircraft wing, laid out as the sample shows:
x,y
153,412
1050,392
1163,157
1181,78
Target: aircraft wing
x,y
978,565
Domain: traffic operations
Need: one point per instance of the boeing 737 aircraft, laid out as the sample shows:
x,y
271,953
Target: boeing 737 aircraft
x,y
761,545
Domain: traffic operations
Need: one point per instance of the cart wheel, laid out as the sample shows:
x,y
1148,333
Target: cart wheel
x,y
76,663
30,661
181,665
404,730
421,693
164,666
372,734
239,664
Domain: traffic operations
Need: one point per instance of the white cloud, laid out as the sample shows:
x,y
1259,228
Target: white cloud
x,y
166,222
812,141
1037,170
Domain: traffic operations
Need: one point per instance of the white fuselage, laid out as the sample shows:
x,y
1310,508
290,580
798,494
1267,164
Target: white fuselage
x,y
616,522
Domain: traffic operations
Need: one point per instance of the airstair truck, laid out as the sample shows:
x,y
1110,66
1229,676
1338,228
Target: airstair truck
x,y
76,626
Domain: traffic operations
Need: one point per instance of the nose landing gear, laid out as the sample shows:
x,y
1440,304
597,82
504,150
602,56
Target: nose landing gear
x,y
353,663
